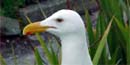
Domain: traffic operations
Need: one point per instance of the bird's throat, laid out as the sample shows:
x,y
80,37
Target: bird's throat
x,y
75,50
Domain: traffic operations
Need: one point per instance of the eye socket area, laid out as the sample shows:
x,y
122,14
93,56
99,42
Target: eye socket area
x,y
59,20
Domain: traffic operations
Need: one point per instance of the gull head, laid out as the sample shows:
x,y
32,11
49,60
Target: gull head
x,y
62,23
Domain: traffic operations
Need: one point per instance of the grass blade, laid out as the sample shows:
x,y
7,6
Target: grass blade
x,y
2,60
54,56
102,44
45,49
89,27
38,57
126,34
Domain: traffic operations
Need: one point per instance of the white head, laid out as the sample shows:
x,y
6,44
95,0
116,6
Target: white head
x,y
62,22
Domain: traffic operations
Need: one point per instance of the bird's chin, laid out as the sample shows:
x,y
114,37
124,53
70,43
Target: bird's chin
x,y
52,30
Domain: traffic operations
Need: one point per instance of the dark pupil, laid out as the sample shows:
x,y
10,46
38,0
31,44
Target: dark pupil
x,y
59,20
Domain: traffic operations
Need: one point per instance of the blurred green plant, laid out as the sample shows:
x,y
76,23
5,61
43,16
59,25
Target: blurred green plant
x,y
9,7
1,12
2,60
118,40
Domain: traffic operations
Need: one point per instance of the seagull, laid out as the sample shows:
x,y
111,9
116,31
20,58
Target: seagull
x,y
69,27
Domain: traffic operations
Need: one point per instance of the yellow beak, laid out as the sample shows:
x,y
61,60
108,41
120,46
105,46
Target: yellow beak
x,y
33,28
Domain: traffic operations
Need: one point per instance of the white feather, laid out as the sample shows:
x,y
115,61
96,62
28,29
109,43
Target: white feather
x,y
72,34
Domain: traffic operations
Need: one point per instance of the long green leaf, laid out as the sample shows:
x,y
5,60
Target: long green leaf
x,y
45,49
126,35
38,57
89,27
54,56
101,44
114,57
122,28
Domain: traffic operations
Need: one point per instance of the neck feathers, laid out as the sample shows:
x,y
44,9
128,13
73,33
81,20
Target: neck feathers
x,y
75,50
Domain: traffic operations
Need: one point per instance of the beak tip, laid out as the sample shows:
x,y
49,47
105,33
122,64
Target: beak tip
x,y
24,33
26,30
27,33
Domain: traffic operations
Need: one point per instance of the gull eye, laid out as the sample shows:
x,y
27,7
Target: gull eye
x,y
59,20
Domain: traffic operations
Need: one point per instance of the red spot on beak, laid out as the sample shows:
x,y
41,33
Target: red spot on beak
x,y
28,33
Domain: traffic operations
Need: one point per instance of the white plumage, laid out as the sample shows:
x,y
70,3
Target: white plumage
x,y
69,27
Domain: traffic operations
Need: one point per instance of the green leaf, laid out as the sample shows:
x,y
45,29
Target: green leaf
x,y
112,8
126,36
2,60
123,29
54,56
89,27
102,44
38,57
114,57
101,24
45,49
